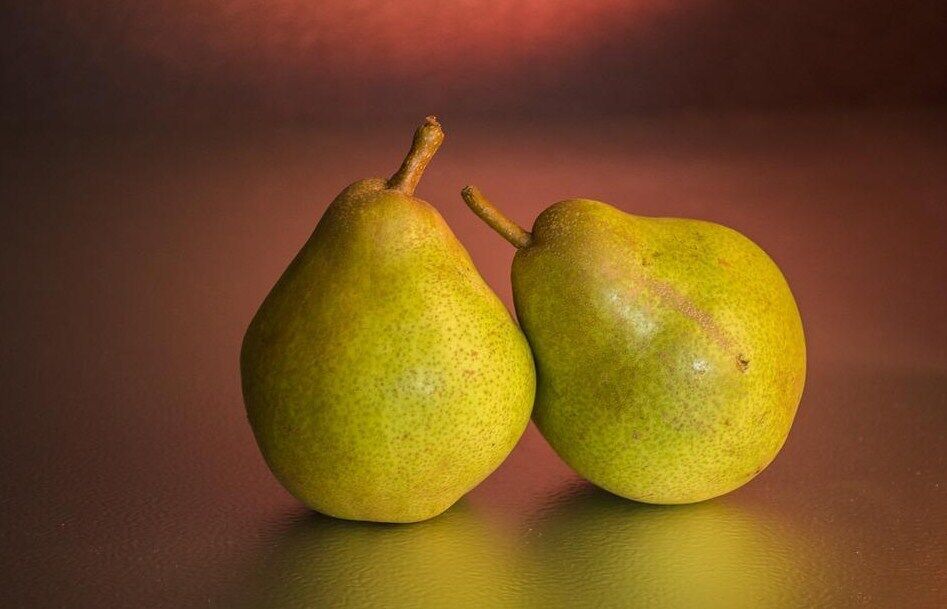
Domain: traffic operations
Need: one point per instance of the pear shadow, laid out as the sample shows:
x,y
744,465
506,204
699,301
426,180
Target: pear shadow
x,y
588,547
313,560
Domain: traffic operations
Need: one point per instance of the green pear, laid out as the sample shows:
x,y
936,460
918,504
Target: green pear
x,y
669,352
383,379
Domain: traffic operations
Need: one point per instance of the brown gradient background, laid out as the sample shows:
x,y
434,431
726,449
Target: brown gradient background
x,y
162,162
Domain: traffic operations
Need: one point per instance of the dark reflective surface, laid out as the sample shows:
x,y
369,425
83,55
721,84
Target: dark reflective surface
x,y
612,552
132,263
460,560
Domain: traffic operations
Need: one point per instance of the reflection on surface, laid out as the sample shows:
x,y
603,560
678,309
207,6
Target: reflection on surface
x,y
454,560
585,548
593,549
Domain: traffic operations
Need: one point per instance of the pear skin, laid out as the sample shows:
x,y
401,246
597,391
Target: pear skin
x,y
383,379
669,352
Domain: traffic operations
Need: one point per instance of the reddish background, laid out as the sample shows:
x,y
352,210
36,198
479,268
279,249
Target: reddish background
x,y
106,61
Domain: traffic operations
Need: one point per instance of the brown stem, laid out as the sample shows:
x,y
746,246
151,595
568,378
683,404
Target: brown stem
x,y
427,139
509,230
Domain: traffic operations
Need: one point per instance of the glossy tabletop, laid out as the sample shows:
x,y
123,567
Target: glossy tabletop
x,y
132,263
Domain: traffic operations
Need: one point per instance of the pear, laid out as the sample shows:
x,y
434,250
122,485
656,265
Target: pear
x,y
669,352
383,379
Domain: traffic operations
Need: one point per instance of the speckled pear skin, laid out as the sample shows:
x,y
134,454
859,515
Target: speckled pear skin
x,y
670,353
383,379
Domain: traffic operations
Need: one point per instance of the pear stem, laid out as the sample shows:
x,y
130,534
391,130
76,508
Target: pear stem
x,y
488,212
427,139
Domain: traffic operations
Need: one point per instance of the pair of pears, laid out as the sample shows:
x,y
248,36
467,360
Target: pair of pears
x,y
384,379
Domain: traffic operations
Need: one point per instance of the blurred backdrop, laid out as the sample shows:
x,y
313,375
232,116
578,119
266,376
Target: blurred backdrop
x,y
161,163
91,62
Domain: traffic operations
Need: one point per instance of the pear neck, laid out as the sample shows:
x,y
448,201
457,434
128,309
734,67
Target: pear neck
x,y
427,139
